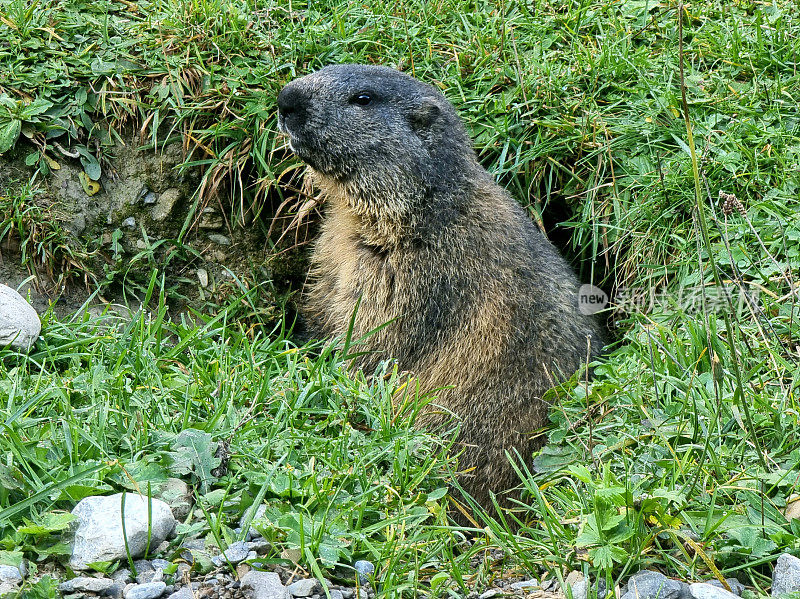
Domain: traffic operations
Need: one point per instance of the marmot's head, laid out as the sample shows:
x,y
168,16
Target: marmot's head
x,y
375,130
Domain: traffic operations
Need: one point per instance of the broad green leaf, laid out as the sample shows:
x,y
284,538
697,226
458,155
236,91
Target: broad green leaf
x,y
9,132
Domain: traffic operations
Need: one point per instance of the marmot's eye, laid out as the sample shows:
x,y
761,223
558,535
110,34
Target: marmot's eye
x,y
362,99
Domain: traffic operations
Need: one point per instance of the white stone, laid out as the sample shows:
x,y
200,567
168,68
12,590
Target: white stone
x,y
10,574
86,584
151,590
264,585
786,576
19,322
703,590
524,585
304,587
792,511
99,538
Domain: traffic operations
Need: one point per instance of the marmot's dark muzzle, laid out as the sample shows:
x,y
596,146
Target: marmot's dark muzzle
x,y
292,106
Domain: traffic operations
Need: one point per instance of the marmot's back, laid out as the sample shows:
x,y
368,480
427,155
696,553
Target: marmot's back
x,y
480,301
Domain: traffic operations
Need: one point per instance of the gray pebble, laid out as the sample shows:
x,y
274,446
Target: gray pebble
x,y
195,544
184,593
129,222
151,590
524,584
303,588
116,590
150,198
336,594
261,546
703,590
263,585
85,584
10,574
364,569
219,239
786,576
162,548
737,588
348,593
143,565
147,576
648,584
489,594
161,563
549,585
122,575
237,552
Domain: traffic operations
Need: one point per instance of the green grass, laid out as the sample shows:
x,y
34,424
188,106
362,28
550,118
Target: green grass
x,y
680,455
109,403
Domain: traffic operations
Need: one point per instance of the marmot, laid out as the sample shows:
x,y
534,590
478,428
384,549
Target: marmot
x,y
481,307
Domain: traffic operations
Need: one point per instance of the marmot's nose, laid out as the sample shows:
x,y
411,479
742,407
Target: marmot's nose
x,y
292,101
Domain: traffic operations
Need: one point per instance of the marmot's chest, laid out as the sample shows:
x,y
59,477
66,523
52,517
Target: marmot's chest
x,y
352,270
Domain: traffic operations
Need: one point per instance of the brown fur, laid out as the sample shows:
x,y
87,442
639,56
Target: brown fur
x,y
482,306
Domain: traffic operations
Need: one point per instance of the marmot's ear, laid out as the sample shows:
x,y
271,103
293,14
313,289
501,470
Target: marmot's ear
x,y
424,115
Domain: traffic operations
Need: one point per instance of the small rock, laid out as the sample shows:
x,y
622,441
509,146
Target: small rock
x,y
364,569
336,594
236,552
489,594
10,574
202,276
786,576
703,590
580,589
116,590
182,593
210,219
150,198
165,204
261,546
549,584
348,593
86,584
151,590
792,511
196,544
524,585
737,588
264,585
573,577
303,588
19,322
161,563
648,584
129,222
98,537
219,239
146,576
143,565
121,575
